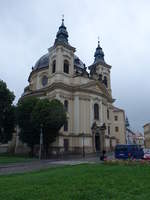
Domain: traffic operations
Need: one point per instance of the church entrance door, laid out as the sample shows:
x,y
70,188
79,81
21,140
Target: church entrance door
x,y
97,142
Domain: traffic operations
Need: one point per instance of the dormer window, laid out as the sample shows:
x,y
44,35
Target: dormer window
x,y
54,66
66,66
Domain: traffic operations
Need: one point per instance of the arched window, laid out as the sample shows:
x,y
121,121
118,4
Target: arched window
x,y
66,105
107,114
96,111
100,77
66,126
54,66
105,81
66,66
108,130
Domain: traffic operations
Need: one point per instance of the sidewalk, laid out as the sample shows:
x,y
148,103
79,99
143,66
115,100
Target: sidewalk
x,y
42,164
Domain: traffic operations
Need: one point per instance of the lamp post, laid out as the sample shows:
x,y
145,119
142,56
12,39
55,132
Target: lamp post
x,y
83,145
41,143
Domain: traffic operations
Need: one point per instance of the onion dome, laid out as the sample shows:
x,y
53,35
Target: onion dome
x,y
62,34
99,54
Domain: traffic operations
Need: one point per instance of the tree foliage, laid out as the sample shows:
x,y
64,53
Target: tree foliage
x,y
7,113
51,116
29,133
35,113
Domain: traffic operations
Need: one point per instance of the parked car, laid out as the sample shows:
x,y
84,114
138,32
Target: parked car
x,y
147,154
125,151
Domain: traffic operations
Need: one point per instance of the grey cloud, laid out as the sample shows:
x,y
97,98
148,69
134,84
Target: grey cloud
x,y
28,29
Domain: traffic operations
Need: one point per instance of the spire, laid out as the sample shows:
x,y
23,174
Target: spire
x,y
62,34
127,122
99,54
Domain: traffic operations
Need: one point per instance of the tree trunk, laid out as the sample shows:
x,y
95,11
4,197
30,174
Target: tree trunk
x,y
32,151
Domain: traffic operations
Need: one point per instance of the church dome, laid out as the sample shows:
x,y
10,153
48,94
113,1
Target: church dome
x,y
44,62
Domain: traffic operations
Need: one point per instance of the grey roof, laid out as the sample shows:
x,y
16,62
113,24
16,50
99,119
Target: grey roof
x,y
78,63
62,34
44,62
99,54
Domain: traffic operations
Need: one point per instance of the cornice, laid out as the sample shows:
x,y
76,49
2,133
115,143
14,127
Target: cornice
x,y
73,89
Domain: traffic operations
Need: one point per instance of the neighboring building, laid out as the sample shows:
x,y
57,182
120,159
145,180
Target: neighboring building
x,y
86,96
140,139
119,128
147,135
130,136
134,137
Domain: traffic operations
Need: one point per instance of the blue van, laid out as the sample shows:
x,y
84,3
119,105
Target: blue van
x,y
125,151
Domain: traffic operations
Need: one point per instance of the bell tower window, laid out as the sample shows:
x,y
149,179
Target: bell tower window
x,y
96,111
66,66
105,81
54,66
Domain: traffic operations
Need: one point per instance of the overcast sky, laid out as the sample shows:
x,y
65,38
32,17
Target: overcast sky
x,y
28,28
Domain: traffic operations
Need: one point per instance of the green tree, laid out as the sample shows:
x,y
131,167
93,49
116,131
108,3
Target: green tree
x,y
52,116
29,132
7,117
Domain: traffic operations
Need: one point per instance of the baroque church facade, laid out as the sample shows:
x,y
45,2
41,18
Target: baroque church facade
x,y
86,95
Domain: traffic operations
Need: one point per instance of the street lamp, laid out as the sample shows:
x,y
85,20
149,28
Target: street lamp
x,y
41,143
83,145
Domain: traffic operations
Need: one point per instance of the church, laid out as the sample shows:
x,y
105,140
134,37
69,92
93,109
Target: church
x,y
93,122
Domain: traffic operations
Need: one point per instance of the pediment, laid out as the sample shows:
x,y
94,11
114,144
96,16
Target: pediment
x,y
97,88
93,86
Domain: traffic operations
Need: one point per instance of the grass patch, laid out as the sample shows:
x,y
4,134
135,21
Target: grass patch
x,y
82,182
8,159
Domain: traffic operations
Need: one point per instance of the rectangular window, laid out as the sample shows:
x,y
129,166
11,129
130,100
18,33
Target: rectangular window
x,y
117,129
66,126
116,118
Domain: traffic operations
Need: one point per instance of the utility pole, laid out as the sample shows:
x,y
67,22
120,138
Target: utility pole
x,y
41,143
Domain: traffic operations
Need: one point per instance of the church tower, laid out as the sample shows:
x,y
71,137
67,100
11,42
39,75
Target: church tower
x,y
61,54
100,70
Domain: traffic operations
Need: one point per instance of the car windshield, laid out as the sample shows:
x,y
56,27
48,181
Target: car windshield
x,y
121,148
147,151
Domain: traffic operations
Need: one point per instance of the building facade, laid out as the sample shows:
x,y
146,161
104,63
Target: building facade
x,y
86,95
147,135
